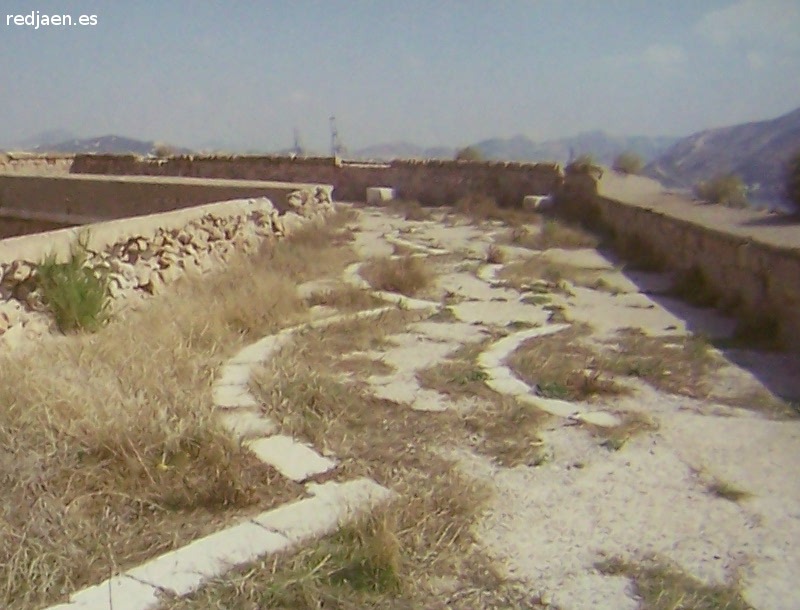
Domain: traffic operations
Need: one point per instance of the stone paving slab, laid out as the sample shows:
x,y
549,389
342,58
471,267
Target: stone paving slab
x,y
246,425
294,460
233,397
333,503
184,570
117,593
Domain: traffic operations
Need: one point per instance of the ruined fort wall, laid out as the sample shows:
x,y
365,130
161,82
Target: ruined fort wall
x,y
429,182
755,278
31,203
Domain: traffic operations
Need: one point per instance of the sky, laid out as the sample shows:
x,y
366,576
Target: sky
x,y
245,73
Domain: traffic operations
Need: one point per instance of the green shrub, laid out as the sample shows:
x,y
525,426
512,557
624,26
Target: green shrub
x,y
727,189
469,153
793,181
76,295
628,163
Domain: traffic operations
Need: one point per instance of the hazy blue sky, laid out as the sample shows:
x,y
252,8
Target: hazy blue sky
x,y
428,71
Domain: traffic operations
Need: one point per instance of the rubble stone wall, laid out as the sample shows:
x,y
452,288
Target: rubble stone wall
x,y
760,280
141,255
429,182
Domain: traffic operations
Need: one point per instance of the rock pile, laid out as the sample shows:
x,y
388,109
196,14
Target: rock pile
x,y
143,264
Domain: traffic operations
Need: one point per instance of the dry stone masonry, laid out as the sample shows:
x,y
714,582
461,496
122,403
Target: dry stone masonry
x,y
143,264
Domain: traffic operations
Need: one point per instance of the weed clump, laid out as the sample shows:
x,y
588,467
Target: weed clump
x,y
76,294
725,189
407,275
628,163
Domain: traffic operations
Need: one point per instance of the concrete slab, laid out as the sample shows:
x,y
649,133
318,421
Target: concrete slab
x,y
117,593
333,503
233,397
499,313
291,458
183,570
234,374
247,425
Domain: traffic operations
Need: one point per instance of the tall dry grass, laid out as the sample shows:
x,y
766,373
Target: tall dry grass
x,y
109,445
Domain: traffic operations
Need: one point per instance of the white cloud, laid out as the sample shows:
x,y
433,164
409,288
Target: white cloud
x,y
759,23
666,55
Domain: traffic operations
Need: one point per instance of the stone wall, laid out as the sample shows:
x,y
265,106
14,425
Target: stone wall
x,y
140,255
429,182
755,278
30,163
33,202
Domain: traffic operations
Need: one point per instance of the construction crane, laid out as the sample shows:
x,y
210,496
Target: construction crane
x,y
337,149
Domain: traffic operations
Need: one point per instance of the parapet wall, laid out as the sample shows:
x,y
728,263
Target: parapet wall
x,y
30,203
429,182
751,260
31,163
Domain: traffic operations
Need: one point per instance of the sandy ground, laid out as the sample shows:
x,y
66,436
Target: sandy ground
x,y
549,525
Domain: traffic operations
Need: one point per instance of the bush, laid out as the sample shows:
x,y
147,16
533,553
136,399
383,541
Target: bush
x,y
469,153
162,150
793,181
727,189
628,163
584,164
76,294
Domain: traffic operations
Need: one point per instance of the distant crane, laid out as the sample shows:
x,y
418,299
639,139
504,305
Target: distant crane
x,y
337,148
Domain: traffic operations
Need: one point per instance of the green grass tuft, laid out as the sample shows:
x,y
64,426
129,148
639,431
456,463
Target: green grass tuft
x,y
76,294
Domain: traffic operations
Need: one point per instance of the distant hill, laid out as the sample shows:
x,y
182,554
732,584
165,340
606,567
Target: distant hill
x,y
402,150
104,145
43,138
757,152
603,147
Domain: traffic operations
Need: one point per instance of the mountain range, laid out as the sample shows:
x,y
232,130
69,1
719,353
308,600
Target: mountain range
x,y
757,152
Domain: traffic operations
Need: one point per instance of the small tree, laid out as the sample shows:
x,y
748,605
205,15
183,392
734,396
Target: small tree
x,y
727,189
584,164
628,163
793,181
469,153
161,150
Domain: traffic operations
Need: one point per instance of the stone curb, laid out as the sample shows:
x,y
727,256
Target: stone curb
x,y
184,570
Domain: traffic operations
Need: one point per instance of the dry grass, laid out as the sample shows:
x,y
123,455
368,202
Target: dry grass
x,y
110,449
616,437
498,427
407,275
520,274
495,255
674,364
557,234
560,366
727,491
508,432
482,208
397,447
345,298
663,587
409,209
459,376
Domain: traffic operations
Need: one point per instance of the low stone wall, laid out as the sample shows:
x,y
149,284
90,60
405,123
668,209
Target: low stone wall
x,y
97,198
140,255
31,163
429,182
754,277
